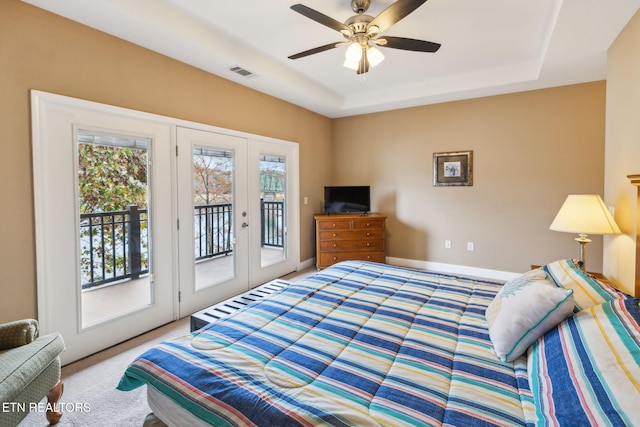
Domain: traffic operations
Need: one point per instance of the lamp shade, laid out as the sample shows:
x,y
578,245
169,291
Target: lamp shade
x,y
374,56
354,52
584,214
352,65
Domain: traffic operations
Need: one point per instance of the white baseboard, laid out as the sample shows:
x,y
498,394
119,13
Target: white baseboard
x,y
306,264
454,269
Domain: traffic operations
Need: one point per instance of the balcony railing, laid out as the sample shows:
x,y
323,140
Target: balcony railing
x,y
213,231
272,223
115,245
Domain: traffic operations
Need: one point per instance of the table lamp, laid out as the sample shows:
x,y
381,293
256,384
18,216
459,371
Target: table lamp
x,y
584,214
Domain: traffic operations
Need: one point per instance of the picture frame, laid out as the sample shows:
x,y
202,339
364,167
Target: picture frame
x,y
453,169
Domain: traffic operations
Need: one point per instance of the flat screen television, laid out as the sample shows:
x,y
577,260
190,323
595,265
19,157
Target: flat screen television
x,y
347,199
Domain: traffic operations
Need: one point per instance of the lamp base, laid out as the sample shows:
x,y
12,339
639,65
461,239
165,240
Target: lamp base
x,y
583,240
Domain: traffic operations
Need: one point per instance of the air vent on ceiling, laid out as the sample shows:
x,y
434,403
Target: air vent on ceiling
x,y
241,71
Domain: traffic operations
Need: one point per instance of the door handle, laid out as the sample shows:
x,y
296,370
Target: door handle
x,y
245,225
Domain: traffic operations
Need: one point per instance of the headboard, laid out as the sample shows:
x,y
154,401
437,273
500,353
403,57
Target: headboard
x,y
635,180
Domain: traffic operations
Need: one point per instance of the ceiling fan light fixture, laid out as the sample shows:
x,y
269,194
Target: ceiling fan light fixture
x,y
361,33
354,52
352,65
374,56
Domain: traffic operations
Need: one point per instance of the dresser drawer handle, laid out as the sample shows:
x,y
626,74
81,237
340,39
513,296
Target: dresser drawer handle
x,y
368,244
368,224
335,258
368,256
334,224
334,234
368,234
335,245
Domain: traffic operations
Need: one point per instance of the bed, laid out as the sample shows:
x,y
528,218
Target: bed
x,y
366,344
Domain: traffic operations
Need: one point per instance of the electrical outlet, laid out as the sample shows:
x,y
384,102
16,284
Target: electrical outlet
x,y
447,244
469,246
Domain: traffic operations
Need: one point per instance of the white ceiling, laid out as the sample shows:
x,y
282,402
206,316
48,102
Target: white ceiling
x,y
488,47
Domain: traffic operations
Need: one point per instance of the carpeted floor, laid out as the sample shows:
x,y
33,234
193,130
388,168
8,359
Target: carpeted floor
x,y
90,397
90,384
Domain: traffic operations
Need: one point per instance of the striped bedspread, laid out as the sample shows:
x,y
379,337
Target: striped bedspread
x,y
586,372
357,344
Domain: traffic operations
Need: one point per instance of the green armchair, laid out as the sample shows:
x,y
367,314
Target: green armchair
x,y
29,371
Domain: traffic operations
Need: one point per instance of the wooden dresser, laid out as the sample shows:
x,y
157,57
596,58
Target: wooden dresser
x,y
341,237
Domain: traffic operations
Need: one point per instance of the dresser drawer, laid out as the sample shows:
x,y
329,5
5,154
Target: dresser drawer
x,y
352,245
350,234
368,223
334,225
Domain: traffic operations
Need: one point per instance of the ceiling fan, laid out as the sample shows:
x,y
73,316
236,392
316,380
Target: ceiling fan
x,y
362,33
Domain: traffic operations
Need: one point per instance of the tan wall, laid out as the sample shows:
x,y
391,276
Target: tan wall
x,y
39,50
531,150
623,155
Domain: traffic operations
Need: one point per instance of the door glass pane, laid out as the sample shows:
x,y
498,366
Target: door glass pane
x,y
114,198
213,216
272,209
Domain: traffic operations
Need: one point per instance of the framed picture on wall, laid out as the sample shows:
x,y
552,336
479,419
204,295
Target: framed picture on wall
x,y
453,169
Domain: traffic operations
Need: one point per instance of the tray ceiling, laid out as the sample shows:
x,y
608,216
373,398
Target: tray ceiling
x,y
490,47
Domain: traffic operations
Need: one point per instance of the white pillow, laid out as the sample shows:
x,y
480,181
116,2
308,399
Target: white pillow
x,y
523,310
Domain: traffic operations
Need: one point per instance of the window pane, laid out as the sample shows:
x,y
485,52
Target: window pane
x,y
272,209
213,216
113,189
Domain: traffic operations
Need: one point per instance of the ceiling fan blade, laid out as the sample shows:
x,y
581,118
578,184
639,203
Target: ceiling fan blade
x,y
315,50
320,18
394,13
408,44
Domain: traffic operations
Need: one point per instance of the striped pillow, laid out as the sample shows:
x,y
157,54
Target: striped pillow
x,y
587,291
586,371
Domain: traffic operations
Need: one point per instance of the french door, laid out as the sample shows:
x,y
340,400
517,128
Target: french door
x,y
104,214
213,210
273,203
142,219
236,199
